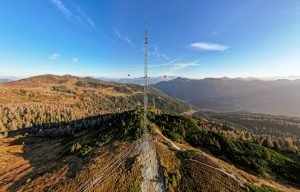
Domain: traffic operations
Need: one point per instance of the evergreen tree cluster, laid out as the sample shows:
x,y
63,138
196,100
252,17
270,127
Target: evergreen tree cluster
x,y
249,155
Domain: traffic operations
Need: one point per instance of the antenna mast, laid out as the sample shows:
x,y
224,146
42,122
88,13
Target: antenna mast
x,y
146,78
145,140
152,180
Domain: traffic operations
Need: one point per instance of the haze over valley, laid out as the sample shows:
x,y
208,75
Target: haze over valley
x,y
279,97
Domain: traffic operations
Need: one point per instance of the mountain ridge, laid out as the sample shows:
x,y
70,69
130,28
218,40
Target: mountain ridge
x,y
280,97
138,80
35,100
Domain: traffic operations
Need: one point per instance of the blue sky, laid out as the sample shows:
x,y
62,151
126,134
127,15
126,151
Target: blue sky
x,y
195,38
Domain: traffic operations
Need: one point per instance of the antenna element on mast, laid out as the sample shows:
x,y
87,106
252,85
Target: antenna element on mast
x,y
146,78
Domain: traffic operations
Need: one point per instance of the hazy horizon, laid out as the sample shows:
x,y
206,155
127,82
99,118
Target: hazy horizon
x,y
267,78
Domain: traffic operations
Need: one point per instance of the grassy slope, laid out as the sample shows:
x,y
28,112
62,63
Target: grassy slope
x,y
43,99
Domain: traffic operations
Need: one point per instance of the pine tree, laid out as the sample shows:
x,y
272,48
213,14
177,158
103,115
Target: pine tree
x,y
268,142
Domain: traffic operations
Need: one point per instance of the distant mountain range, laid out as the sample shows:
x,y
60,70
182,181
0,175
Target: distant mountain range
x,y
138,80
154,80
225,94
4,80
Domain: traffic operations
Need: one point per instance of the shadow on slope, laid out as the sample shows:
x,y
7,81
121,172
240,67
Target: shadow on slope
x,y
54,153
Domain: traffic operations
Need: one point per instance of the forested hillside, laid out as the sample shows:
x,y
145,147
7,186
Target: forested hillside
x,y
53,99
280,133
74,155
259,123
211,136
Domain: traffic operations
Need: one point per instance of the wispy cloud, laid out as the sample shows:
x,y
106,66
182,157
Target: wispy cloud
x,y
177,67
123,38
183,65
209,46
74,15
173,65
54,56
62,8
215,32
74,60
155,52
85,17
165,64
170,63
165,56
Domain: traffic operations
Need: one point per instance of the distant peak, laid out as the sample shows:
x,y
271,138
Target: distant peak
x,y
225,78
181,78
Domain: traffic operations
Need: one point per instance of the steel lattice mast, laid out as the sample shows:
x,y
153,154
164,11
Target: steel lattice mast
x,y
146,79
145,143
152,180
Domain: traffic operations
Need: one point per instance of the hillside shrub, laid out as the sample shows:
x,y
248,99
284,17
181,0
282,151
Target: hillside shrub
x,y
75,147
85,150
188,154
253,188
174,136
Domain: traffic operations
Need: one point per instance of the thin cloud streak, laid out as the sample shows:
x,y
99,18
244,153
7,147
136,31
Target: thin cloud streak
x,y
209,46
123,38
155,52
74,60
54,56
78,16
62,8
181,65
86,18
174,65
170,63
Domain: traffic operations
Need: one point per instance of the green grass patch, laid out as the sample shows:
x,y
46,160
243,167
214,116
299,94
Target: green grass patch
x,y
254,188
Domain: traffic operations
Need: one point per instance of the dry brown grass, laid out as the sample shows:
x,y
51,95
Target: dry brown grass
x,y
251,178
39,165
41,87
21,162
195,176
118,178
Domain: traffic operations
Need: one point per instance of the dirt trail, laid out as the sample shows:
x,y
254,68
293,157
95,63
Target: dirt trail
x,y
168,140
152,174
189,113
